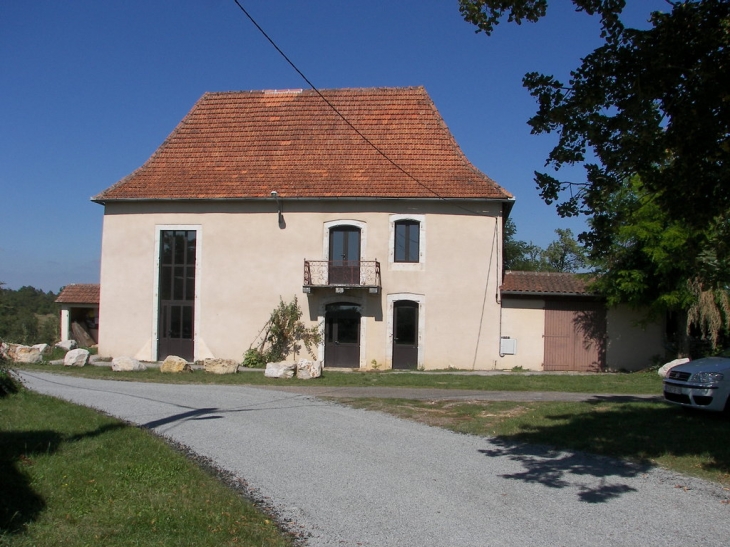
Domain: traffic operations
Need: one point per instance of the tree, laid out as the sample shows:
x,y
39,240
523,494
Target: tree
x,y
652,103
648,116
518,255
658,262
563,255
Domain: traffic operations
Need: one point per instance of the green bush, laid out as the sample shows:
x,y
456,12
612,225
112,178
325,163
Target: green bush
x,y
253,358
8,383
283,334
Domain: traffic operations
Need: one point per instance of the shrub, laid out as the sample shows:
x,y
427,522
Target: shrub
x,y
283,334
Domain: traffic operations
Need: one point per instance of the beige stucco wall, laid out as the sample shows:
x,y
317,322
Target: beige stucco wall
x,y
632,345
246,261
524,321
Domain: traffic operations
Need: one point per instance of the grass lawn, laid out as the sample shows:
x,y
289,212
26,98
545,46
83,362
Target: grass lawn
x,y
72,476
691,442
634,383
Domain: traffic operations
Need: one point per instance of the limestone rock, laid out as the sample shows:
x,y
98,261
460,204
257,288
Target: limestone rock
x,y
220,366
306,370
665,368
282,369
76,358
68,345
125,364
174,364
4,351
43,348
26,354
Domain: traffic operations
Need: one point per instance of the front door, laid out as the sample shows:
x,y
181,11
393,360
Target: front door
x,y
342,336
176,306
405,334
344,265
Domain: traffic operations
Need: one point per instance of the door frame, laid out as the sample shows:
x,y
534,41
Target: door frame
x,y
405,351
322,314
159,228
391,300
357,311
341,223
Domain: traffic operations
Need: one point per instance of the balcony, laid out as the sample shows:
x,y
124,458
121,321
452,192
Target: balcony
x,y
341,275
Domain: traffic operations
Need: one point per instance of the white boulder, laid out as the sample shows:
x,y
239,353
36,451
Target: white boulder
x,y
666,367
127,364
306,370
76,358
282,369
67,345
26,354
43,348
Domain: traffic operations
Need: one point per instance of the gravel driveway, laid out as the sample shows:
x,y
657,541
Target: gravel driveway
x,y
350,477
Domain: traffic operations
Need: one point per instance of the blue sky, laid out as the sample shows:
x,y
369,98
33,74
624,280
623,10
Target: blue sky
x,y
90,88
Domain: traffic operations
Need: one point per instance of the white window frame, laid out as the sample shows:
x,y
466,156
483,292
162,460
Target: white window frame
x,y
335,223
407,266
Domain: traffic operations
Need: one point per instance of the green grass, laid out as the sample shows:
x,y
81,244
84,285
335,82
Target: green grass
x,y
634,383
655,433
71,476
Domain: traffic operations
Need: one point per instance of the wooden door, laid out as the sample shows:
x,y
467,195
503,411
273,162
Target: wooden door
x,y
575,336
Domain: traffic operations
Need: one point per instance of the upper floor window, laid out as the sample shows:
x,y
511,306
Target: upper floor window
x,y
407,241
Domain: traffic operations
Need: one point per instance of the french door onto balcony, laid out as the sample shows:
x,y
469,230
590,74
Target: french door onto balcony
x,y
344,266
176,306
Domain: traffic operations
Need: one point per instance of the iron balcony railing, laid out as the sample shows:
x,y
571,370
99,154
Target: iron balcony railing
x,y
363,274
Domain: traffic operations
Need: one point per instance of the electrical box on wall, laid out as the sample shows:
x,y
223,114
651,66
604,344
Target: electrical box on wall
x,y
507,346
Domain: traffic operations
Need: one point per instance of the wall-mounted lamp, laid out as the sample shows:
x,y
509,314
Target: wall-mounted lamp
x,y
279,208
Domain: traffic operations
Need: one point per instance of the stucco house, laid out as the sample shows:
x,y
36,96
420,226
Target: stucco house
x,y
553,322
359,202
79,304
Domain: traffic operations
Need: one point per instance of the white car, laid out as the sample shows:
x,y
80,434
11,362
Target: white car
x,y
704,383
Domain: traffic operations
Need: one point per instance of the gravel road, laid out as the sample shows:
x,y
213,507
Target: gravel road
x,y
350,477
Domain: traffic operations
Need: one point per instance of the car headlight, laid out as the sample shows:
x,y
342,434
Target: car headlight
x,y
706,377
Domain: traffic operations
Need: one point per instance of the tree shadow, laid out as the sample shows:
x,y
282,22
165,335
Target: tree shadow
x,y
20,504
636,432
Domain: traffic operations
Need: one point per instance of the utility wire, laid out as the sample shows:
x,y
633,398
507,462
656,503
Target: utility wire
x,y
355,129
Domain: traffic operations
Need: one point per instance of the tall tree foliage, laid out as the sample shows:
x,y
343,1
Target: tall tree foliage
x,y
21,315
562,255
648,116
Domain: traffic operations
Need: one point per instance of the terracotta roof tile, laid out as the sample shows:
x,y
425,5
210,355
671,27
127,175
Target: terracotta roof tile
x,y
546,283
79,293
238,145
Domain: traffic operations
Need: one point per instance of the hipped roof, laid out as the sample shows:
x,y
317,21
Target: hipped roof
x,y
246,144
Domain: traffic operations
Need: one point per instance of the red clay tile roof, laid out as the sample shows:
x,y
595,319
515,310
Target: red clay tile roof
x,y
245,144
544,283
79,293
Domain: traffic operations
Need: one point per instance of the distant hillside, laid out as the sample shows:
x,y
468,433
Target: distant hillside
x,y
28,316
